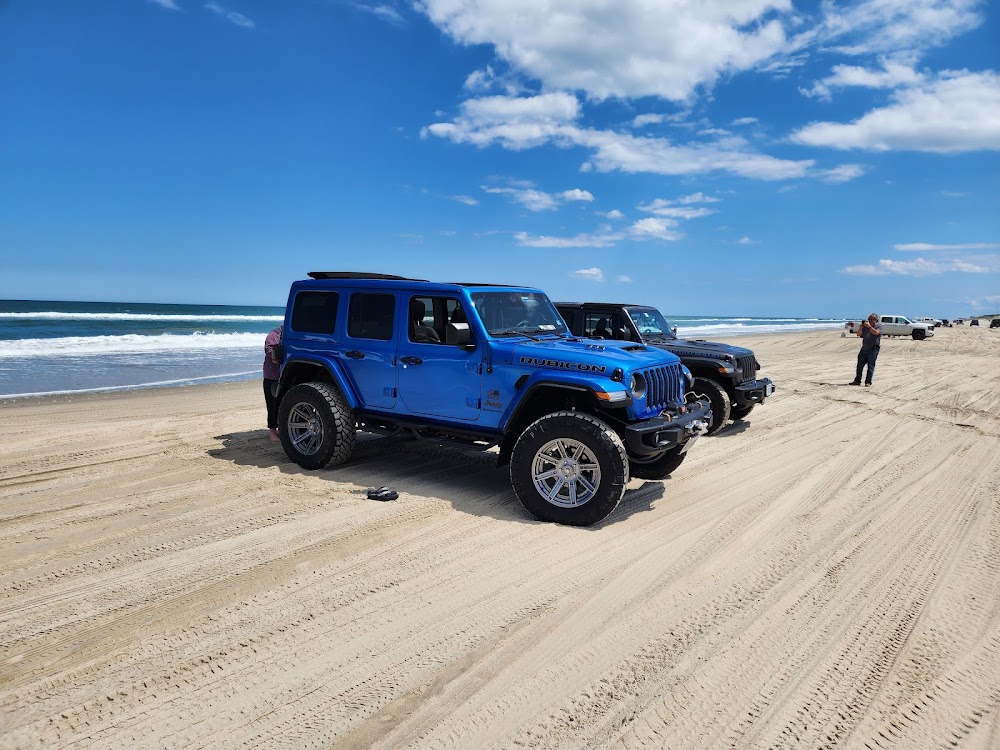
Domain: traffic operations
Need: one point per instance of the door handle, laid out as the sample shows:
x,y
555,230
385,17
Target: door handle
x,y
355,355
411,360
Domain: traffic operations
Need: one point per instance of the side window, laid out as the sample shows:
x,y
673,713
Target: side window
x,y
429,317
886,319
315,312
603,325
370,316
596,324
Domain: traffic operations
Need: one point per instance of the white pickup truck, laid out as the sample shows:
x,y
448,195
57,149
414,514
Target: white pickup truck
x,y
896,325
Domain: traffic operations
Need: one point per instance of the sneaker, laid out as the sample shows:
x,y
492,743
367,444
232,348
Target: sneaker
x,y
855,382
868,385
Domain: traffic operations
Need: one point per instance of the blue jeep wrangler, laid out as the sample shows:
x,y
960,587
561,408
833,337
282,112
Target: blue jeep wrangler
x,y
724,374
481,366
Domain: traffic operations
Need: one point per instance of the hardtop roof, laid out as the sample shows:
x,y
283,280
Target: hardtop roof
x,y
601,304
376,280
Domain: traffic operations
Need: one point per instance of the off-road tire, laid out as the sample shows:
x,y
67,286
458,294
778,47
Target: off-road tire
x,y
601,442
740,412
335,422
718,398
919,335
656,467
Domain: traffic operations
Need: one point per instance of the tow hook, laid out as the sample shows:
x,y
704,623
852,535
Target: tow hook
x,y
697,427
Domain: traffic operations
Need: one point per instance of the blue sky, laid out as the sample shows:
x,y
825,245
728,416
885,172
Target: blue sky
x,y
750,157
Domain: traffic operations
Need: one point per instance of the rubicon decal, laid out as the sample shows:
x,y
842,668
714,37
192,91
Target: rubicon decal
x,y
582,366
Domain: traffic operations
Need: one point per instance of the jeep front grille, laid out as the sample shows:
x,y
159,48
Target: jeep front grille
x,y
749,366
664,385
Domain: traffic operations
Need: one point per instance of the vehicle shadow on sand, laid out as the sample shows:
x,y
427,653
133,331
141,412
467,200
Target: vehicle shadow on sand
x,y
469,480
734,428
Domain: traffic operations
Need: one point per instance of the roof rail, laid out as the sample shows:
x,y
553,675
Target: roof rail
x,y
358,275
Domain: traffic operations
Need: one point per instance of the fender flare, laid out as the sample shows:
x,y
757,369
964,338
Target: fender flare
x,y
332,368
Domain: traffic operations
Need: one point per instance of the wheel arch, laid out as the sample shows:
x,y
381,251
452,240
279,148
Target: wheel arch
x,y
539,399
302,370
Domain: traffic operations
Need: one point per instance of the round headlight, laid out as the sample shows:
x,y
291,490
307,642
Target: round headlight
x,y
637,385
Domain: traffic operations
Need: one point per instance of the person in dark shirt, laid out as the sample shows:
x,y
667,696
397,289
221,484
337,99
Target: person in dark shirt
x,y
871,337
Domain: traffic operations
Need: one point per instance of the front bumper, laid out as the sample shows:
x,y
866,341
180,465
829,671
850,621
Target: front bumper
x,y
669,430
754,391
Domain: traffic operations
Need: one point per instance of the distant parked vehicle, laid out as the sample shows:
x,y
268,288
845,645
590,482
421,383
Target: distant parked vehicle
x,y
995,323
974,322
945,322
897,325
960,322
929,321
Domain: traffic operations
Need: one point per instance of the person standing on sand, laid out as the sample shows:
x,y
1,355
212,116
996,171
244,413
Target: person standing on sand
x,y
871,337
272,371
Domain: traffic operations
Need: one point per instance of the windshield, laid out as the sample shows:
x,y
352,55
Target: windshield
x,y
509,313
649,322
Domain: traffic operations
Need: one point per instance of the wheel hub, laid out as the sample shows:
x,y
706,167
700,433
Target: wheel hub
x,y
566,473
305,428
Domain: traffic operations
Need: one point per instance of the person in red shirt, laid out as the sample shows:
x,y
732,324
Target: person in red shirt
x,y
272,371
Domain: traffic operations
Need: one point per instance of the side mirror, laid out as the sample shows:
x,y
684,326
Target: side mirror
x,y
624,334
457,334
674,330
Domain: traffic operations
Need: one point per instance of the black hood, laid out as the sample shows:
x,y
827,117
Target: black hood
x,y
699,348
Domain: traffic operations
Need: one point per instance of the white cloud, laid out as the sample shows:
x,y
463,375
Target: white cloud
x,y
925,247
537,200
384,11
892,75
599,239
576,195
629,49
519,123
655,229
624,279
614,214
590,274
232,16
744,121
953,194
957,113
468,200
872,26
916,267
642,120
744,240
990,301
698,198
168,4
841,174
665,208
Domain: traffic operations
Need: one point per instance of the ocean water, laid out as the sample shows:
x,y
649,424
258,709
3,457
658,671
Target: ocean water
x,y
58,347
66,347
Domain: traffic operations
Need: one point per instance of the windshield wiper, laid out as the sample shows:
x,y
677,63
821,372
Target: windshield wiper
x,y
513,332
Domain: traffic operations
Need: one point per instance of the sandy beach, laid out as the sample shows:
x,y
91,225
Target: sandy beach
x,y
822,575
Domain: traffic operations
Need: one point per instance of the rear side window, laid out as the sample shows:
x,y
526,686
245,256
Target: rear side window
x,y
315,312
370,316
603,325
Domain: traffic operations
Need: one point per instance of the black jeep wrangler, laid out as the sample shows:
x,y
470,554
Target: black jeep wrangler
x,y
726,375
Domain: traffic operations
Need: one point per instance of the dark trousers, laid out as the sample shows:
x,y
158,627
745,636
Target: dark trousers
x,y
866,357
272,404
